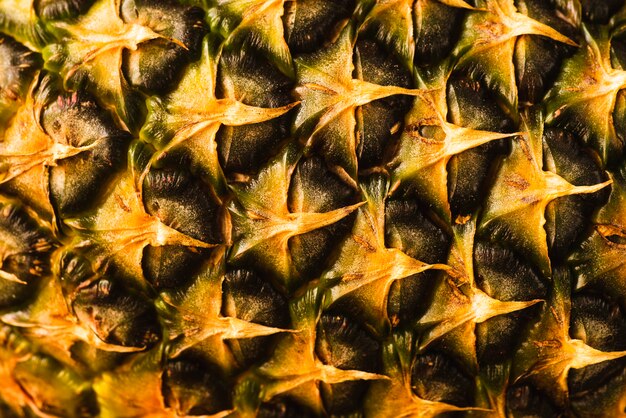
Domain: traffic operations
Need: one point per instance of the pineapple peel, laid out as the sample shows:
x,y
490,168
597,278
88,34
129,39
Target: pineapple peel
x,y
312,208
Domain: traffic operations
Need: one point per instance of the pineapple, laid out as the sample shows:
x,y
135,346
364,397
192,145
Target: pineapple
x,y
294,208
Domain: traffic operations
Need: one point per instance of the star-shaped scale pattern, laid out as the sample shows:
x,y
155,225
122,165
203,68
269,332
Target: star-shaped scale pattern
x,y
365,268
237,208
330,97
255,23
488,46
394,397
48,319
24,165
192,120
550,353
262,220
600,259
583,97
394,18
523,189
459,304
135,389
295,369
93,46
427,144
121,227
196,316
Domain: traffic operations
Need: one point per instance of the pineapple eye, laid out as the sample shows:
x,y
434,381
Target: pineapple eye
x,y
506,277
17,69
314,188
585,398
184,203
436,377
567,216
75,119
77,183
171,266
379,121
191,387
106,306
600,323
154,65
537,66
376,64
497,338
437,29
25,248
407,229
280,208
538,59
602,320
248,297
309,23
344,344
251,78
472,105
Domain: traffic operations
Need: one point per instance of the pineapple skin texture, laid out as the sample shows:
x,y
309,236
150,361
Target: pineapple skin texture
x,y
294,208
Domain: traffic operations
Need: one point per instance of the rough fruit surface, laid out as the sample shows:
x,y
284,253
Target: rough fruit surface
x,y
312,208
